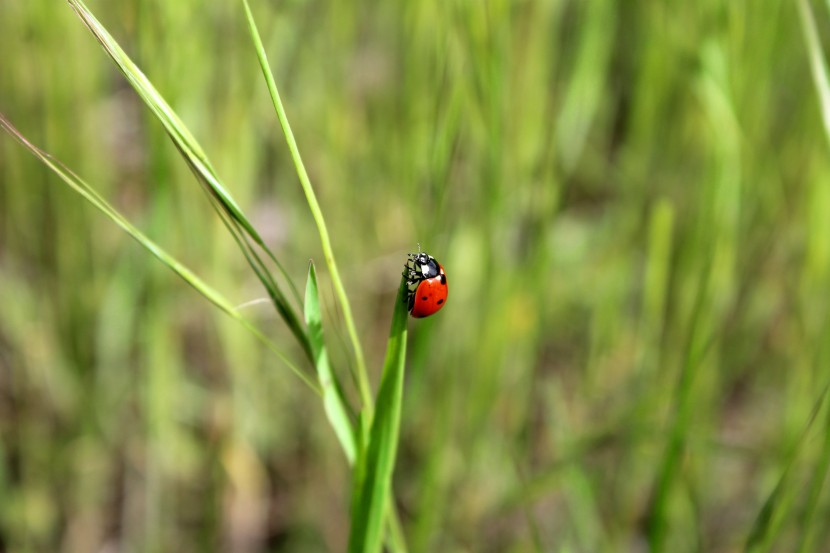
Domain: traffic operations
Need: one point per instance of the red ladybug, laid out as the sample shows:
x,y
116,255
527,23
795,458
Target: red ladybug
x,y
427,283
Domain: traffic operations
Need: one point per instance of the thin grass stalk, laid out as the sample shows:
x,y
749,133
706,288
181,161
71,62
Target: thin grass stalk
x,y
808,519
818,65
267,280
194,156
362,376
768,521
87,192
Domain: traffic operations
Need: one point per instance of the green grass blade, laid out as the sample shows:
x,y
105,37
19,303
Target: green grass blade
x,y
193,154
89,194
768,522
176,128
809,528
372,493
818,65
314,206
333,401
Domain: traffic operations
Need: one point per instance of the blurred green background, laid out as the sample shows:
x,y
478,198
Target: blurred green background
x,y
632,203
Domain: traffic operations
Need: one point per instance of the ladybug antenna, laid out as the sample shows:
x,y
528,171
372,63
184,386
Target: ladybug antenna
x,y
419,247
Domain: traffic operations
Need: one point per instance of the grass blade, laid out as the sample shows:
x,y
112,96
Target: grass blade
x,y
89,194
809,528
174,126
314,206
768,521
333,402
818,65
232,216
374,473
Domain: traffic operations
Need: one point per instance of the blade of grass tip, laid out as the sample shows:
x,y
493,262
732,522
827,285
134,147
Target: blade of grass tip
x,y
699,340
314,206
372,490
767,523
90,195
194,156
333,402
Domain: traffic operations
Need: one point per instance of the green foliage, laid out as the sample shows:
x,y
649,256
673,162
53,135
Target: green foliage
x,y
363,380
233,218
631,203
89,194
374,474
333,401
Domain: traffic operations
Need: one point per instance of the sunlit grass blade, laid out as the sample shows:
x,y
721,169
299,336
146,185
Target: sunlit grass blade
x,y
172,123
671,463
818,65
314,206
193,154
333,401
90,195
374,475
821,80
768,522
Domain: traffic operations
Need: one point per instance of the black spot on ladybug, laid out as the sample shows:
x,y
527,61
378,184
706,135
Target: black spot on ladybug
x,y
439,302
444,280
423,298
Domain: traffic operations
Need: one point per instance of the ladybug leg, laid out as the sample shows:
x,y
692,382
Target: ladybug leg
x,y
409,298
412,276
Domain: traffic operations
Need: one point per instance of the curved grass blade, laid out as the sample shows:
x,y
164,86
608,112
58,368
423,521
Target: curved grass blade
x,y
821,80
818,65
172,123
311,198
808,525
373,475
333,401
89,194
768,522
232,216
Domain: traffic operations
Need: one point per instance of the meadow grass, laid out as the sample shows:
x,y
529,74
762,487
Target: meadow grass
x,y
630,201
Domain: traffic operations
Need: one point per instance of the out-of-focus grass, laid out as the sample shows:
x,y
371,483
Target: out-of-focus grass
x,y
630,201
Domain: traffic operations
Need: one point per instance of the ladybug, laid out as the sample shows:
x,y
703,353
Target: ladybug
x,y
427,284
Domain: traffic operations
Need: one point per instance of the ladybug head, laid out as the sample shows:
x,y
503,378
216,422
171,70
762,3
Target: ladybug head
x,y
425,263
419,258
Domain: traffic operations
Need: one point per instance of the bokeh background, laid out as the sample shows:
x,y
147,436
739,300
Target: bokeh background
x,y
631,200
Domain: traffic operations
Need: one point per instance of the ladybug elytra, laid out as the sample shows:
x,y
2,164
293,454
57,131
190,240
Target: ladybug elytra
x,y
427,284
